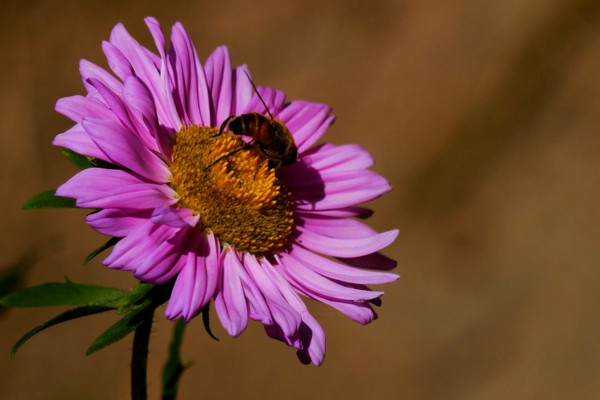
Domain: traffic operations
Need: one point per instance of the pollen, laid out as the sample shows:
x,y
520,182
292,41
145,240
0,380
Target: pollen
x,y
238,197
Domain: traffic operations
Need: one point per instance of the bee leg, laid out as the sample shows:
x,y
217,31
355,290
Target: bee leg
x,y
246,146
259,167
223,125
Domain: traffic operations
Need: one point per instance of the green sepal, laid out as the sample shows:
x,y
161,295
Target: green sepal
x,y
110,243
134,298
173,367
65,316
81,162
62,293
48,200
139,305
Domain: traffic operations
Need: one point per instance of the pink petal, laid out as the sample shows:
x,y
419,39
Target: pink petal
x,y
274,100
345,247
243,90
117,62
163,261
313,341
257,306
131,251
157,35
141,62
118,223
309,339
360,312
197,281
121,110
306,121
337,271
112,188
146,70
181,296
168,114
326,191
371,261
90,71
78,107
283,314
218,76
329,158
139,99
212,258
125,149
175,217
316,285
78,140
191,89
336,227
230,302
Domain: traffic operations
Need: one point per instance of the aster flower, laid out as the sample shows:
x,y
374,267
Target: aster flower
x,y
224,224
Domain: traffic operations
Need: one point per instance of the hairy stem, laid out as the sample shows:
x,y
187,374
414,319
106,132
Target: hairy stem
x,y
139,359
173,368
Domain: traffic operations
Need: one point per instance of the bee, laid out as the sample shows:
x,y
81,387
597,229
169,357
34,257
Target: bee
x,y
269,135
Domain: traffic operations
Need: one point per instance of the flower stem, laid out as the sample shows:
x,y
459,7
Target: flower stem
x,y
173,368
139,359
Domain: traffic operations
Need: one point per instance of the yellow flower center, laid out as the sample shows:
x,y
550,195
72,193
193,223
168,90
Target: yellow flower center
x,y
238,197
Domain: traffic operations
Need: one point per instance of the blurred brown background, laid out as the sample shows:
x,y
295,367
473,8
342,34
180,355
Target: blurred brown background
x,y
485,117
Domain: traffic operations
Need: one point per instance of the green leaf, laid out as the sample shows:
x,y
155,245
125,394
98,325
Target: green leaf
x,y
135,297
66,316
139,305
206,321
111,242
81,162
122,328
173,368
48,200
62,293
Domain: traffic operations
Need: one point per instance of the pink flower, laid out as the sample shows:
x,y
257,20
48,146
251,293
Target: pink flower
x,y
252,237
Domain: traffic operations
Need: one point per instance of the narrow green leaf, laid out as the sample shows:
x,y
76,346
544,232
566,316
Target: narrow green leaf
x,y
173,368
132,299
62,293
139,305
122,328
66,316
81,162
48,200
110,243
135,297
206,321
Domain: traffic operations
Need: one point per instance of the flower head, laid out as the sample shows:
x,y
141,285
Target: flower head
x,y
209,205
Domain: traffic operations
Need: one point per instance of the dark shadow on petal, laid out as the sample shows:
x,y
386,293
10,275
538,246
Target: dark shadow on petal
x,y
371,261
311,179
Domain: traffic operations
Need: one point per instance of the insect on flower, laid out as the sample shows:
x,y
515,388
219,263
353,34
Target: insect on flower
x,y
268,134
253,244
